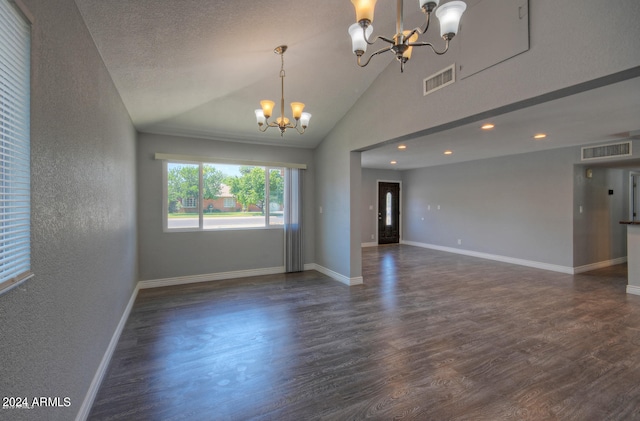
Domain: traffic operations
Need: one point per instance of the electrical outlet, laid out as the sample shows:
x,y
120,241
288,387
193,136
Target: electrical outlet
x,y
459,241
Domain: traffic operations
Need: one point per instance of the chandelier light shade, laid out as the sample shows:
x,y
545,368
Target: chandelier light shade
x,y
402,43
359,37
283,123
449,16
364,9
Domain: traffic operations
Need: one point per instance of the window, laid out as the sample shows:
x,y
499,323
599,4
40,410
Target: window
x,y
15,193
232,196
190,202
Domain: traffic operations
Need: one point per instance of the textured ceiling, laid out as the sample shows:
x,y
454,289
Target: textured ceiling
x,y
200,68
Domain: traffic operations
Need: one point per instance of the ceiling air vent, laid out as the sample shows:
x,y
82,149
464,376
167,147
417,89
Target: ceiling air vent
x,y
606,151
440,80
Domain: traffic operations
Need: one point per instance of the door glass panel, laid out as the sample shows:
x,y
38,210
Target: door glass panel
x,y
388,210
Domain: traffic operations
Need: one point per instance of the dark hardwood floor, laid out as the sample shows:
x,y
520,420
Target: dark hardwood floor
x,y
429,336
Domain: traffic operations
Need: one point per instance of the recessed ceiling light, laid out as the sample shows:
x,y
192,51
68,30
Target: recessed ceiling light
x,y
539,136
448,152
402,146
394,162
488,126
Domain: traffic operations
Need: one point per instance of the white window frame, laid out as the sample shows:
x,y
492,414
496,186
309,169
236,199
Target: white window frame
x,y
15,170
179,159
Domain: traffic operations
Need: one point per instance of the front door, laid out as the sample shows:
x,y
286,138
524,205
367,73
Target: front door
x,y
388,213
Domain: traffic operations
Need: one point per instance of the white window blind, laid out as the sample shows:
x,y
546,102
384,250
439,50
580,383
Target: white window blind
x,y
15,191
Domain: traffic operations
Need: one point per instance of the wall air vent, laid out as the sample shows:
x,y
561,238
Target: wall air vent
x,y
611,150
440,80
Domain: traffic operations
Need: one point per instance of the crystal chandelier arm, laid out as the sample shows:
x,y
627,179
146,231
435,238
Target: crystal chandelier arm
x,y
383,50
428,44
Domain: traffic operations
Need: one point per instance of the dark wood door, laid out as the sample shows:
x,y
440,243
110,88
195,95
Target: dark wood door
x,y
388,213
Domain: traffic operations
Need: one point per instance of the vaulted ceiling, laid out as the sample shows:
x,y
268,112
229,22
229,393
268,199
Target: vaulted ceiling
x,y
200,67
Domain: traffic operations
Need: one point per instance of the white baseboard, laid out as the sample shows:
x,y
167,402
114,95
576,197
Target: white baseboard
x,y
183,280
633,289
504,259
599,265
335,275
371,244
85,408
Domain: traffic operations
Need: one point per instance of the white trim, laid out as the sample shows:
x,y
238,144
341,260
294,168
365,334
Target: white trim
x,y
85,408
165,196
213,160
505,259
599,265
15,281
358,280
372,244
633,289
183,280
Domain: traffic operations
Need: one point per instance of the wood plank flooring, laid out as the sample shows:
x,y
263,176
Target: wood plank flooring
x,y
429,336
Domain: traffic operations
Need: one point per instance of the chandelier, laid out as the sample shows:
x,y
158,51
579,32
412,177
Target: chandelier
x,y
282,123
403,41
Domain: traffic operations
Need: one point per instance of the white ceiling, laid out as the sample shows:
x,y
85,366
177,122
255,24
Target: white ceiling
x,y
200,68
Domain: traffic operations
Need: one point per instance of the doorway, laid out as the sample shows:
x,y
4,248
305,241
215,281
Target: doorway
x,y
388,212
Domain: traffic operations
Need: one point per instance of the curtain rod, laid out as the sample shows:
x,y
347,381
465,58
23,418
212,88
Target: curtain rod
x,y
212,160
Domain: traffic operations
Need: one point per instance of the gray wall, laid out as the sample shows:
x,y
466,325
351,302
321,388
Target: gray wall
x,y
56,326
176,254
521,206
517,206
554,66
337,240
369,190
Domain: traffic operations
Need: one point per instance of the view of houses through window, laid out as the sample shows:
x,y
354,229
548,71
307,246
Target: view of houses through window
x,y
222,196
